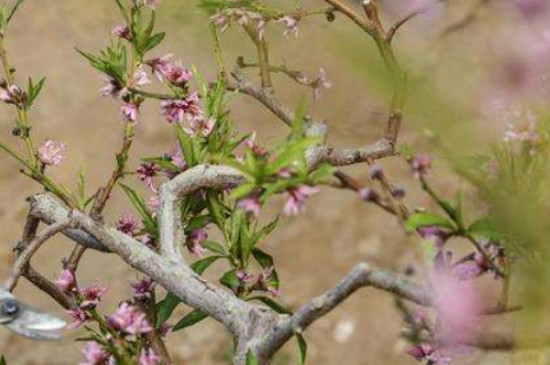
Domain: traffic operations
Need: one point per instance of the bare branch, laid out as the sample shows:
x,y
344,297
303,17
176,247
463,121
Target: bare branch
x,y
171,192
399,23
23,260
178,279
357,19
49,211
48,287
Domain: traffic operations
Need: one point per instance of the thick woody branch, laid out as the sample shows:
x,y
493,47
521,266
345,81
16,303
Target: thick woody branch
x,y
178,279
24,258
48,210
171,192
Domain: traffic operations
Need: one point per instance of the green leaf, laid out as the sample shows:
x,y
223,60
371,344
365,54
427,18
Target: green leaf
x,y
266,261
242,190
291,153
200,266
271,304
230,280
484,228
298,122
265,231
302,349
166,307
214,247
154,41
417,220
190,319
3,360
215,208
186,144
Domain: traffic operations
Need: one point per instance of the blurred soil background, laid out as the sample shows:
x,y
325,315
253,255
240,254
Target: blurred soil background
x,y
312,251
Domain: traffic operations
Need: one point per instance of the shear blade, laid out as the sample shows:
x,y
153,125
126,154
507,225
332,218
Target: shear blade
x,y
35,324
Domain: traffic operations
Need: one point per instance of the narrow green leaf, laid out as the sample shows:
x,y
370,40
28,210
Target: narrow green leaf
x,y
200,266
166,307
418,220
214,247
154,41
190,319
302,349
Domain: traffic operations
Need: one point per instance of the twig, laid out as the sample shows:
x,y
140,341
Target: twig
x,y
399,23
30,249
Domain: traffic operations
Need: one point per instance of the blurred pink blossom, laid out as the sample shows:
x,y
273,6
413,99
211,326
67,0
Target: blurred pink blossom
x,y
94,354
250,205
50,152
297,198
66,281
129,319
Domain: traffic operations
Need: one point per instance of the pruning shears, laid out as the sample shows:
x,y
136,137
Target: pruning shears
x,y
27,321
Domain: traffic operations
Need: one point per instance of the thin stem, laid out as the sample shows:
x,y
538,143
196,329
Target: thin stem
x,y
263,55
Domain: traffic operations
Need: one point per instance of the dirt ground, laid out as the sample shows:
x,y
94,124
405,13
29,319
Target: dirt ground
x,y
313,252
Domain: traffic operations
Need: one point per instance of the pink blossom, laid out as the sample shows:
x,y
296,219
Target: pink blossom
x,y
200,126
429,353
92,295
94,354
129,112
148,357
195,239
433,234
77,316
468,270
50,152
12,94
244,276
175,110
421,164
321,82
146,172
111,88
66,281
128,224
176,157
174,73
456,303
159,64
297,198
221,20
291,25
139,78
531,8
251,143
150,3
250,205
122,31
264,281
143,288
524,129
129,319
